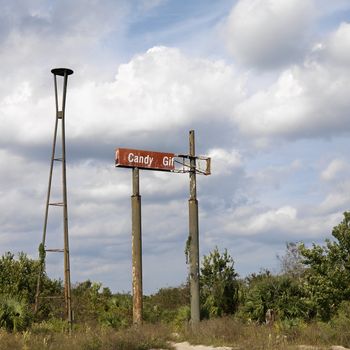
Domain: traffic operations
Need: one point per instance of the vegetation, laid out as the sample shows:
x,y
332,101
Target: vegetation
x,y
310,298
219,286
42,337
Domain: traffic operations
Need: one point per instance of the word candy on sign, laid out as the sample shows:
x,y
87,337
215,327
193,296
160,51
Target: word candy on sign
x,y
134,158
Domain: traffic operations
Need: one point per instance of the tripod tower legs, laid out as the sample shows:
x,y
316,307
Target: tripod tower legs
x,y
59,122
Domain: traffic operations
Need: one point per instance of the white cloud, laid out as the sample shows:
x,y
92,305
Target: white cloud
x,y
273,224
308,100
333,169
271,220
160,89
154,98
223,161
337,201
268,32
337,47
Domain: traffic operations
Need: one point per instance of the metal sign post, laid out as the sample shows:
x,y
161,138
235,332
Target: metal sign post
x,y
149,160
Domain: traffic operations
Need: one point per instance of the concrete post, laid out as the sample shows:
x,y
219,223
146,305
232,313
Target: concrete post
x,y
193,236
136,248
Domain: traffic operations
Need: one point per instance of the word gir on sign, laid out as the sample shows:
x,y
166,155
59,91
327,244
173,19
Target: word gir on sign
x,y
135,158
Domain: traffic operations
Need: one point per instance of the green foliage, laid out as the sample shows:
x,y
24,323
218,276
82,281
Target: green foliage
x,y
93,306
171,298
14,314
42,253
18,277
182,317
166,304
283,294
51,325
116,312
327,279
219,286
340,323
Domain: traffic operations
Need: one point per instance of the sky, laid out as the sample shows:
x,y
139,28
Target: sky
x,y
264,84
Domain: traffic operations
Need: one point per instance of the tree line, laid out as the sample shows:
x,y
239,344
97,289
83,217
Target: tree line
x,y
313,285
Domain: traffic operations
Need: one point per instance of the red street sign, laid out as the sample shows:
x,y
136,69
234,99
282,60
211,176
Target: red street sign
x,y
135,158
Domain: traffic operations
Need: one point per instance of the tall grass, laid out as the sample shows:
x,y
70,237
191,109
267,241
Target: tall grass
x,y
134,338
226,331
283,335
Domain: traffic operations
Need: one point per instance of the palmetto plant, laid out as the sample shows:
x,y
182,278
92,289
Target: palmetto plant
x,y
14,314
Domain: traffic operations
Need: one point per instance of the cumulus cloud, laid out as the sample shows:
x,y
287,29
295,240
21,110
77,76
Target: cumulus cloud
x,y
161,88
224,161
268,33
336,49
306,101
275,224
36,36
254,198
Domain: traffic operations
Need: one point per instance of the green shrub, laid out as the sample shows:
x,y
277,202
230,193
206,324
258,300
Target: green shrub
x,y
14,314
283,294
219,285
182,317
340,323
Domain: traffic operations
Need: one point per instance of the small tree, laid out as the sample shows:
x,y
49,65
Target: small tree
x,y
219,286
18,278
327,278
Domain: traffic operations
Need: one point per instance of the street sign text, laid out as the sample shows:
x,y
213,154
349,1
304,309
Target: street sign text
x,y
133,158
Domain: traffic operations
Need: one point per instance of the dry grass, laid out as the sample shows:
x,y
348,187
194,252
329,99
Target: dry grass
x,y
140,338
216,332
234,333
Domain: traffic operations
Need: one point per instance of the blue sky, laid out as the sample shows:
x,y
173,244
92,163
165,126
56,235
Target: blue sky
x,y
263,82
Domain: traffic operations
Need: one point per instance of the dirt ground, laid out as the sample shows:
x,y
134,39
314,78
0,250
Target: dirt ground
x,y
187,346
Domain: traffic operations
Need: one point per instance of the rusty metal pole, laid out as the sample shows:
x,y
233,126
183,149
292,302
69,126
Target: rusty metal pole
x,y
60,119
193,236
67,282
42,262
136,248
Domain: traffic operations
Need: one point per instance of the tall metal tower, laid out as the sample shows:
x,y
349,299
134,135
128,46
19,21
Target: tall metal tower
x,y
60,122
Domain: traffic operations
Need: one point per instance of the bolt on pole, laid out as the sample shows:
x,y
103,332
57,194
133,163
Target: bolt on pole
x,y
193,236
136,248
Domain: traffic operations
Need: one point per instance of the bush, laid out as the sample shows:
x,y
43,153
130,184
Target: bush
x,y
340,322
94,305
219,286
166,304
281,293
14,314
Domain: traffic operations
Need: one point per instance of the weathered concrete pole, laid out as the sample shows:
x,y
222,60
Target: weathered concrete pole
x,y
193,236
136,248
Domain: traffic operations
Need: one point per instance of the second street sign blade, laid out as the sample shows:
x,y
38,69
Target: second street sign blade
x,y
135,158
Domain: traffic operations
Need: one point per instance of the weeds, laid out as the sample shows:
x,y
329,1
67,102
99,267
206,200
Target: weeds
x,y
134,338
228,331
